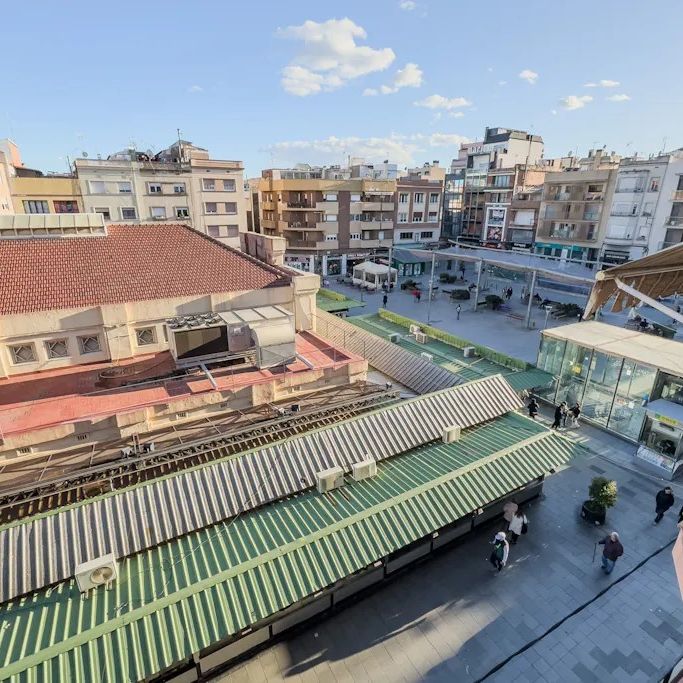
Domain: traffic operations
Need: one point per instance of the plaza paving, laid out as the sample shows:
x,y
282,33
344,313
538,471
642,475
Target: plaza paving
x,y
452,619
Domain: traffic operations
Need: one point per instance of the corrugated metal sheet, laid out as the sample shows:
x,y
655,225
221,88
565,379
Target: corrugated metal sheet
x,y
44,550
191,593
420,375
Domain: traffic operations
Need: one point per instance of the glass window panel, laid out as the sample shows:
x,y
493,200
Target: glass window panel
x,y
573,373
601,387
633,392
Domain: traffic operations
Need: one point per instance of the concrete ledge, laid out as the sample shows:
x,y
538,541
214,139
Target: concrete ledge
x,y
358,584
229,652
302,614
408,557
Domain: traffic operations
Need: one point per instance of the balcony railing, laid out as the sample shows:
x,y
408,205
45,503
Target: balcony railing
x,y
676,221
677,196
629,190
300,205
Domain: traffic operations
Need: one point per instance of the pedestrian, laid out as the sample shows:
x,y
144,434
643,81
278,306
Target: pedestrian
x,y
385,298
574,413
457,312
680,515
501,548
518,526
663,501
533,408
559,413
418,295
509,510
510,293
612,551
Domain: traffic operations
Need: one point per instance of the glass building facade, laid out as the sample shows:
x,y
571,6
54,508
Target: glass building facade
x,y
613,391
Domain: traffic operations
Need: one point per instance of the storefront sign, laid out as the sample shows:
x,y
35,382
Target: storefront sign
x,y
665,419
654,458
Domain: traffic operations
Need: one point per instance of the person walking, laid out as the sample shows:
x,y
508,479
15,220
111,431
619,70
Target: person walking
x,y
418,295
612,551
457,312
663,501
559,414
533,408
574,413
501,548
518,526
509,510
385,298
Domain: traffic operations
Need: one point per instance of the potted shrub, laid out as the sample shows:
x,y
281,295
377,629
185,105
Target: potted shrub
x,y
493,301
602,494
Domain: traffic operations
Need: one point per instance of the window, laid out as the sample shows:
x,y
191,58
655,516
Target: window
x,y
36,206
592,189
680,183
330,196
402,217
223,231
405,236
154,188
97,187
403,198
229,185
231,207
354,236
89,344
145,336
23,353
330,238
211,207
647,209
125,187
81,437
590,233
24,450
66,206
214,230
179,188
182,212
355,197
158,212
104,211
356,216
330,218
419,198
433,197
57,348
433,217
654,185
426,235
128,213
417,216
232,230
209,184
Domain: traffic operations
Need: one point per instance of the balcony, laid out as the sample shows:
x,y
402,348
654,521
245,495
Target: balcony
x,y
629,190
675,221
370,244
298,206
331,207
362,206
677,196
305,244
295,225
371,224
593,197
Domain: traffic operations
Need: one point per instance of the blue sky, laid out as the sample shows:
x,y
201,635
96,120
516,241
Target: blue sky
x,y
274,82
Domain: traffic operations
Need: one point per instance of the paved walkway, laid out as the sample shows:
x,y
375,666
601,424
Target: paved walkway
x,y
453,619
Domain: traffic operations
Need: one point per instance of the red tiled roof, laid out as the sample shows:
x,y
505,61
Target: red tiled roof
x,y
130,263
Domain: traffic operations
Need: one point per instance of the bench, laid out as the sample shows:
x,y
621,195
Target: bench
x,y
514,316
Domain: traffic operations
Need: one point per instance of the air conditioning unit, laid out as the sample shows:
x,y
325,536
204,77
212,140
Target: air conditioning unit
x,y
414,329
395,337
451,434
427,356
420,337
98,572
469,351
364,469
330,479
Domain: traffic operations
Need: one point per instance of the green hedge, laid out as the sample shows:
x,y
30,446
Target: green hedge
x,y
329,294
450,339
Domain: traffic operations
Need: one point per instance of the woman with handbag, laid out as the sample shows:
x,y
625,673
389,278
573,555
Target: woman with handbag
x,y
518,526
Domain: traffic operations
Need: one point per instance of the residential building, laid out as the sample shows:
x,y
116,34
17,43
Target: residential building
x,y
575,206
181,183
48,194
501,148
418,211
6,173
646,214
429,171
453,192
522,218
330,225
383,171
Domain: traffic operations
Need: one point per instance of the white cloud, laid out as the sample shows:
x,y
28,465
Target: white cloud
x,y
441,102
529,76
330,57
410,76
400,149
195,88
407,5
618,98
502,82
602,84
370,92
572,102
456,114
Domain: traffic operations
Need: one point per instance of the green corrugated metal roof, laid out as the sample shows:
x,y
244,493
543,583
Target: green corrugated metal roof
x,y
452,358
188,594
325,303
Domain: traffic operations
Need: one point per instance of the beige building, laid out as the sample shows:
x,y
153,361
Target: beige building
x,y
130,328
419,203
182,183
6,170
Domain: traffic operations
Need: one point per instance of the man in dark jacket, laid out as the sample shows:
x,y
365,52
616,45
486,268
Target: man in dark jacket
x,y
612,551
663,501
560,413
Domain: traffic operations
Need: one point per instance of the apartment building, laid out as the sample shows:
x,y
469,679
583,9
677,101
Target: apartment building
x,y
418,211
383,171
574,208
329,224
180,184
453,193
522,218
646,214
501,148
6,171
429,171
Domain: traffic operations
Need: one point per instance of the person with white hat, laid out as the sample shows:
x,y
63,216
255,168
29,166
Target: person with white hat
x,y
501,548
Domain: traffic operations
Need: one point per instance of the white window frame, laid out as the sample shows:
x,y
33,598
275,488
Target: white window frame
x,y
330,238
212,228
208,184
405,235
160,214
17,349
151,188
354,236
418,198
143,332
129,208
182,211
83,342
207,210
227,208
330,218
403,197
179,188
331,196
402,217
102,210
435,219
234,185
50,346
433,197
122,184
92,184
415,217
355,197
427,235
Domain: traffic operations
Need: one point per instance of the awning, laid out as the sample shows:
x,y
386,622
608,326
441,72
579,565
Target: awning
x,y
666,411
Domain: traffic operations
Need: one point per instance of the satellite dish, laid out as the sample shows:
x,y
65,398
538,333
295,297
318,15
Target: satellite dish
x,y
84,155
